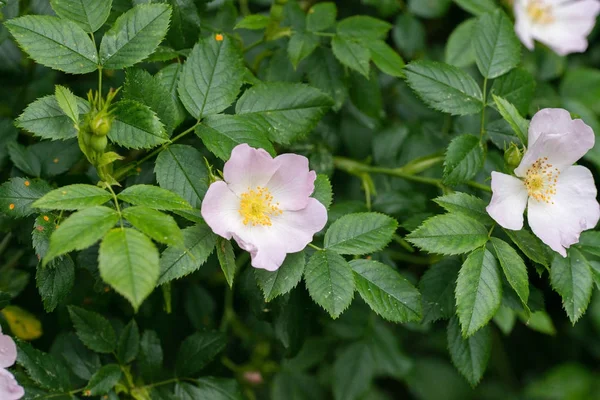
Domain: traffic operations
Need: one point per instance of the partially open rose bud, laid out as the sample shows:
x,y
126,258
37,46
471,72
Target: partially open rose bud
x,y
101,124
513,156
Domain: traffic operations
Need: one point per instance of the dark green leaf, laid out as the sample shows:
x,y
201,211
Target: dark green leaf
x,y
136,126
93,330
386,58
517,87
321,16
284,279
459,51
363,27
129,343
323,191
353,371
90,15
437,287
471,355
18,194
104,380
464,159
466,204
477,7
360,233
352,54
514,268
531,246
43,368
209,388
55,281
572,278
197,351
300,46
226,258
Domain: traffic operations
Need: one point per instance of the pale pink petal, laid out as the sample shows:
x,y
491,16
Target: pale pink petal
x,y
549,120
561,37
8,351
9,387
248,168
293,183
523,24
220,209
561,149
574,209
509,198
578,17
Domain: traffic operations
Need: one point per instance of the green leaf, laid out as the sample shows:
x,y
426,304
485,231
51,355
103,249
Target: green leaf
x,y
129,343
181,169
81,360
360,233
81,230
287,110
197,351
323,191
572,278
46,370
353,371
284,279
90,15
67,102
497,48
330,281
93,330
175,262
134,36
363,27
159,226
429,8
531,246
209,388
464,158
470,356
352,54
153,197
24,159
477,7
212,77
104,380
321,16
437,287
466,204
253,22
128,261
449,234
444,87
43,228
459,51
386,58
300,46
387,292
589,242
151,355
55,282
226,258
327,74
45,119
517,87
54,42
18,195
509,112
514,268
136,126
73,197
478,291
221,133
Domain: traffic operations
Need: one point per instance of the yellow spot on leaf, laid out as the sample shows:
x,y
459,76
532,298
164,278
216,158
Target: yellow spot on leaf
x,y
64,192
55,161
219,37
46,218
12,206
138,169
27,183
23,324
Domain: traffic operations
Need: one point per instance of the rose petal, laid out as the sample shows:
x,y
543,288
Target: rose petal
x,y
575,209
248,168
8,351
220,209
549,120
9,387
293,183
509,198
523,24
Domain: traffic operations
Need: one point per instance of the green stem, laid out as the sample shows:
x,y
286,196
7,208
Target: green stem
x,y
253,45
315,247
116,201
482,130
244,8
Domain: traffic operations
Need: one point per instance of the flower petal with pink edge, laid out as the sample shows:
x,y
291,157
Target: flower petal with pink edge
x,y
509,198
248,168
549,120
220,209
9,387
575,209
293,183
8,351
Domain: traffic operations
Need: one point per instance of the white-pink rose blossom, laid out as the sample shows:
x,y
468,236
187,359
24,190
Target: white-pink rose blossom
x,y
560,197
562,25
9,388
264,203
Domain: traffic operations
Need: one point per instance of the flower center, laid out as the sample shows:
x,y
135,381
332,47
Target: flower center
x,y
540,13
541,179
257,208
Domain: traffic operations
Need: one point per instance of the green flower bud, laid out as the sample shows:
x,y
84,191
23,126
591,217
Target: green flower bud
x,y
513,156
101,124
98,143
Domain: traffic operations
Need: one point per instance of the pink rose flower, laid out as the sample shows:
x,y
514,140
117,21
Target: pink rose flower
x,y
8,350
264,205
9,388
560,197
562,25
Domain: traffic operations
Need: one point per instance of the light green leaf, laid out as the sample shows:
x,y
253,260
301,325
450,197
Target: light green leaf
x,y
159,226
18,194
226,258
253,22
352,54
104,380
221,133
67,102
134,36
429,8
73,197
93,330
128,261
175,262
44,118
477,7
478,291
287,110
361,233
330,281
497,48
449,234
459,51
386,58
363,27
136,126
517,87
81,230
572,278
90,15
387,292
514,268
531,246
466,204
153,197
519,124
54,42
589,242
470,356
197,351
323,191
464,158
300,46
181,169
437,290
55,282
539,321
444,87
284,279
212,77
321,16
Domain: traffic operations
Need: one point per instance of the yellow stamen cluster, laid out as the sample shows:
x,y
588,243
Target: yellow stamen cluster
x,y
257,208
539,12
541,179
